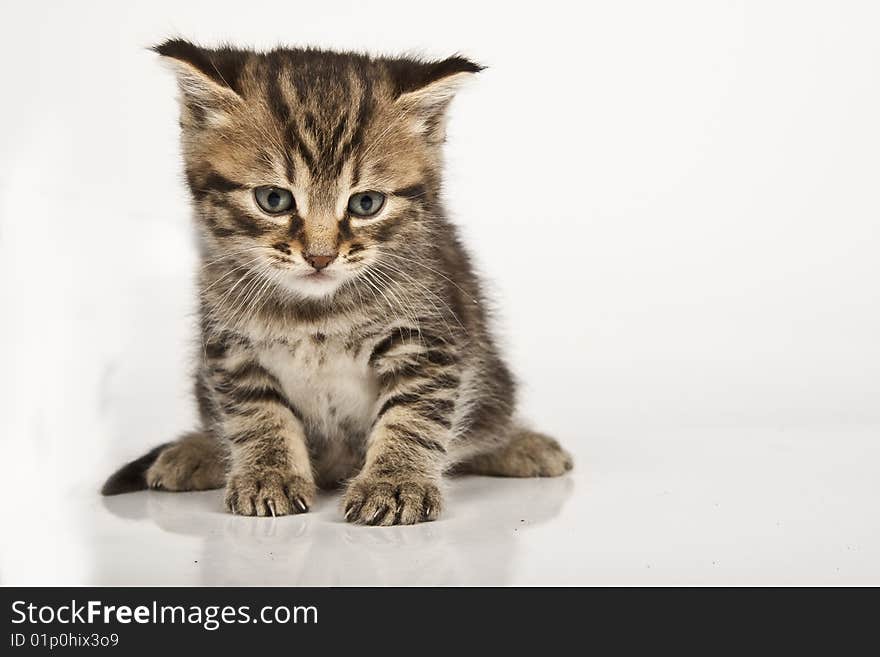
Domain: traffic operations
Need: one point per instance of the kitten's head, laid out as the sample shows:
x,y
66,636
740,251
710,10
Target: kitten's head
x,y
308,165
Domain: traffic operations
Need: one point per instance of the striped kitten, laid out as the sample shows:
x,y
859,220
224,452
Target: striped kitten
x,y
344,335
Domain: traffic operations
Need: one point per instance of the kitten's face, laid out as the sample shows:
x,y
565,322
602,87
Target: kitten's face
x,y
309,167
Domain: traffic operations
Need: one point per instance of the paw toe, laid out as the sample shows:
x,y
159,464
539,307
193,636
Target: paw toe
x,y
268,494
385,503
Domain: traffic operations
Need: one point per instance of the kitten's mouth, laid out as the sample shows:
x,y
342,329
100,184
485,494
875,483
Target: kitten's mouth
x,y
322,277
316,284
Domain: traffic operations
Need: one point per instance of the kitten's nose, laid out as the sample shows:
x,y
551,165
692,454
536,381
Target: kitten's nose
x,y
319,261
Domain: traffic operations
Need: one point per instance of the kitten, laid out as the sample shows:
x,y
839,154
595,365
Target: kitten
x,y
344,335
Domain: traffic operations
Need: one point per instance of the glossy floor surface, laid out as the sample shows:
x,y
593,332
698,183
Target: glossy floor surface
x,y
685,507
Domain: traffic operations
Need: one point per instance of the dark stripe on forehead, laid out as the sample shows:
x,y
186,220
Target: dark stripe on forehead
x,y
328,146
336,135
356,171
333,139
292,135
329,131
300,85
310,123
277,104
294,141
365,107
280,109
289,166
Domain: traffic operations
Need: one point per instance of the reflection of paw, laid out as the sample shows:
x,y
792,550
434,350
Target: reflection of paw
x,y
268,493
385,502
187,465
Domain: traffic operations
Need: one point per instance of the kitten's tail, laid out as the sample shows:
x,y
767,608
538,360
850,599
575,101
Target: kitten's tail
x,y
133,475
196,461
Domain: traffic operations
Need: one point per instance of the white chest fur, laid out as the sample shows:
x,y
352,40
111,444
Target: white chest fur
x,y
332,387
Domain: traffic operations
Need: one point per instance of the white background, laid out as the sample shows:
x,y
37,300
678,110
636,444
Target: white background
x,y
676,205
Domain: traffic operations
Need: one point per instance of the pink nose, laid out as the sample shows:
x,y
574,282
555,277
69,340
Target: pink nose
x,y
319,261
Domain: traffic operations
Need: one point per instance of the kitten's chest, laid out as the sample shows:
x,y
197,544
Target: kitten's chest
x,y
328,381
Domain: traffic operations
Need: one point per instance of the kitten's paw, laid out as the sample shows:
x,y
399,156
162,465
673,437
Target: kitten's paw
x,y
537,455
192,463
373,501
528,454
268,493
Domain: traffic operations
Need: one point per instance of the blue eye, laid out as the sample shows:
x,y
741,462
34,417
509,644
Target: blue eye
x,y
366,204
273,200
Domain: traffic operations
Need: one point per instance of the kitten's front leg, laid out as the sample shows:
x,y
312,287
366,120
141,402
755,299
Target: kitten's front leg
x,y
269,471
407,451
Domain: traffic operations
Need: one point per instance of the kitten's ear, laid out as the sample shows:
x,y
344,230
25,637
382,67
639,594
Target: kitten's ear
x,y
208,79
425,90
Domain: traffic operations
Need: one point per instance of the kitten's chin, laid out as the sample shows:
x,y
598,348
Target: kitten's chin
x,y
313,286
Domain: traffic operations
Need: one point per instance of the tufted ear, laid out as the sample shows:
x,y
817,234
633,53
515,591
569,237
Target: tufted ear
x,y
208,79
425,90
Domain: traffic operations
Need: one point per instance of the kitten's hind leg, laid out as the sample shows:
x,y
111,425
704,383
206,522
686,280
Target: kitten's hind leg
x,y
196,461
526,454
